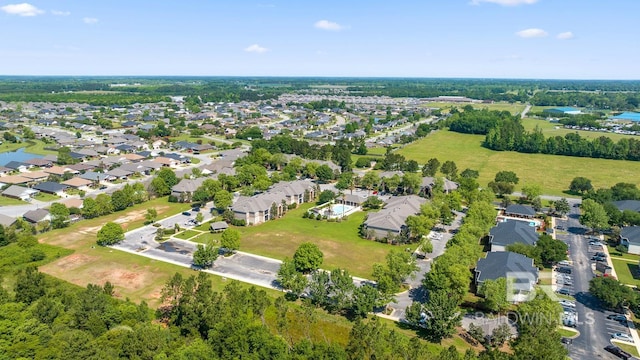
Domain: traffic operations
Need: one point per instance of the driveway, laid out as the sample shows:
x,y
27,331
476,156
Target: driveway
x,y
416,291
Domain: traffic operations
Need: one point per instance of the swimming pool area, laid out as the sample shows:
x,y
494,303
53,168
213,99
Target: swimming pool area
x,y
335,211
340,209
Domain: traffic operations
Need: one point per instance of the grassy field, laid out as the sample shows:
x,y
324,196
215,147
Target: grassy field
x,y
552,172
625,270
46,197
188,234
500,106
7,201
567,332
30,146
631,349
340,243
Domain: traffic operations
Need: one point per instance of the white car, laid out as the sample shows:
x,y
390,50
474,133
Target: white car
x,y
622,336
567,303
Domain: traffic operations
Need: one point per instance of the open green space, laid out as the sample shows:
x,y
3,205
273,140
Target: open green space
x,y
7,201
30,146
552,172
46,197
627,271
569,333
188,234
631,349
339,241
500,106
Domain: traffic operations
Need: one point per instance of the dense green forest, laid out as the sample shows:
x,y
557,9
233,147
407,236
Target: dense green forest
x,y
614,95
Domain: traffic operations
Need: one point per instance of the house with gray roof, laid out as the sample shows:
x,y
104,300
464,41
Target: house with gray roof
x,y
622,205
518,269
390,221
258,208
36,216
522,211
19,192
218,226
7,221
630,237
51,187
511,232
429,182
184,190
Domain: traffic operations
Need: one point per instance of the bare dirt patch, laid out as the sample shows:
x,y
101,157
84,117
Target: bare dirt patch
x,y
71,262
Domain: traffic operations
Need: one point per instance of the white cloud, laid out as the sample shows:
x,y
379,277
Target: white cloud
x,y
255,48
328,25
505,2
532,33
23,9
60,13
565,35
89,20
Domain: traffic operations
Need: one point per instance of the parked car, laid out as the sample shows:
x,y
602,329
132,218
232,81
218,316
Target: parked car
x,y
196,209
618,352
563,291
617,317
564,263
564,270
622,336
598,258
186,213
567,303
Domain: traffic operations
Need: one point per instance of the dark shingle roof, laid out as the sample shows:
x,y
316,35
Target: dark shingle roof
x,y
502,263
631,233
511,232
520,210
623,205
50,187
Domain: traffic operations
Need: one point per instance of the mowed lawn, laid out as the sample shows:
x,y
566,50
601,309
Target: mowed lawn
x,y
500,106
552,172
339,242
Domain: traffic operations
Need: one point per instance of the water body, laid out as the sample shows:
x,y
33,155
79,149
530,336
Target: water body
x,y
18,155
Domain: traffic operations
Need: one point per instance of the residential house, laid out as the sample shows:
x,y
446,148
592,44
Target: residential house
x,y
165,161
633,205
35,176
429,182
14,179
184,190
18,166
511,232
20,192
518,269
95,177
51,187
630,237
119,173
390,221
79,167
521,211
37,216
78,183
39,162
58,170
7,221
72,203
258,208
158,144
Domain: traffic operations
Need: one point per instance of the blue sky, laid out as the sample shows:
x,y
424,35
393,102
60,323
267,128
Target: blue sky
x,y
567,39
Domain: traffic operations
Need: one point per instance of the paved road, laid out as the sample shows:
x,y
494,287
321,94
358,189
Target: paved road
x,y
416,292
525,111
595,329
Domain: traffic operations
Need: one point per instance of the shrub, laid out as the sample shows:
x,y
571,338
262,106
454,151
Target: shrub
x,y
305,215
238,222
318,217
173,199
